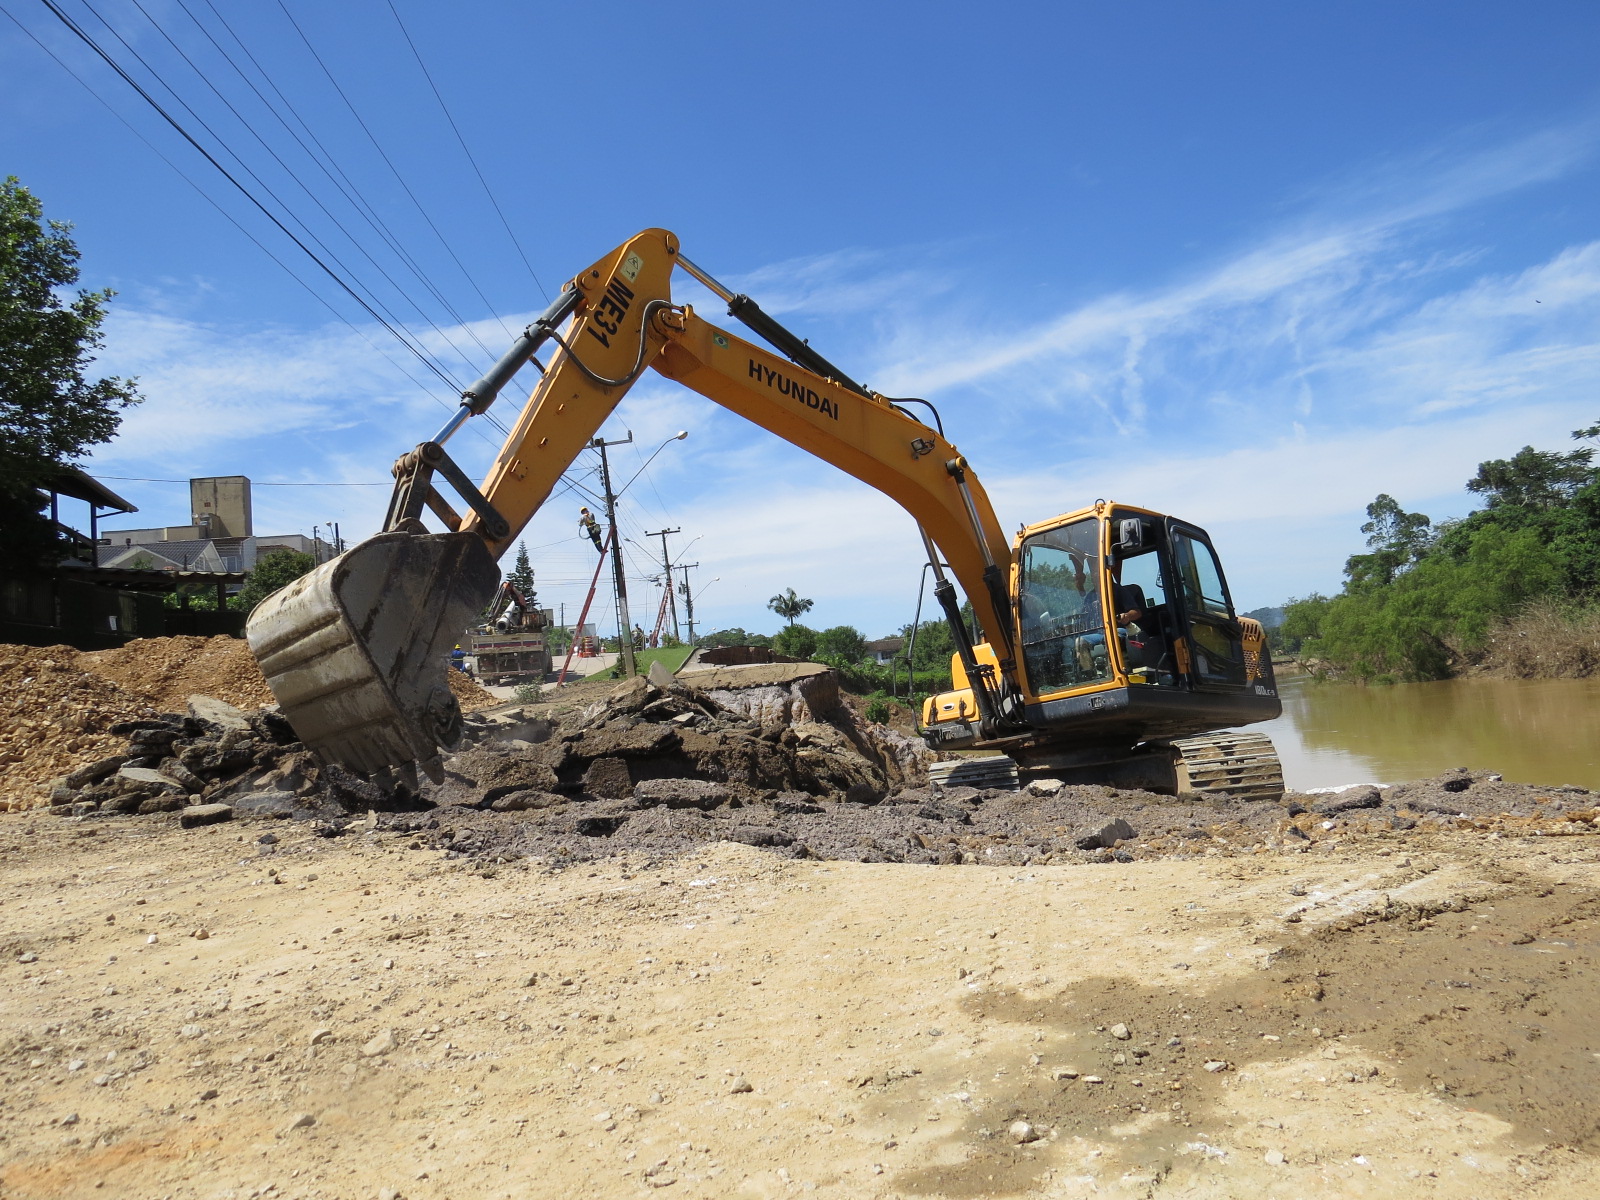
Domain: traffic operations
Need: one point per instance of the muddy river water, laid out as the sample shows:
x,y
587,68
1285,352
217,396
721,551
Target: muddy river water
x,y
1531,731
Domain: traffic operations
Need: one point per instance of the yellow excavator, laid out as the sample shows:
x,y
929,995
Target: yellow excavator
x,y
1107,647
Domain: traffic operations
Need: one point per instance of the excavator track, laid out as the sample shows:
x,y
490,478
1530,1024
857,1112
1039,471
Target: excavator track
x,y
1241,765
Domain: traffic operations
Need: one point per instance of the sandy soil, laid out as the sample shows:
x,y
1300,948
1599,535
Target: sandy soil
x,y
208,1013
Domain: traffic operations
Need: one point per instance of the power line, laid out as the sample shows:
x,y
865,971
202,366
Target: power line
x,y
465,150
277,158
326,163
89,41
255,483
230,218
371,137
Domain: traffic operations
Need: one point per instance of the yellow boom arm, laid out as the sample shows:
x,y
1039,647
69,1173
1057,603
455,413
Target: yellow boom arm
x,y
625,321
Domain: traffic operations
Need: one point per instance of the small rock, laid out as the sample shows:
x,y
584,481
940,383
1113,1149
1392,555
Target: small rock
x,y
318,1036
1216,1065
28,956
1107,835
69,1119
210,1094
381,1044
1021,1132
152,779
153,939
191,1031
268,839
739,1086
1349,800
76,1064
1275,1158
1119,1059
201,934
204,814
389,1194
300,1121
1064,1073
95,771
1045,787
218,712
1120,1032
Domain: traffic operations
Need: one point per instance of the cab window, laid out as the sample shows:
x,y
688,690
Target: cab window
x,y
1063,631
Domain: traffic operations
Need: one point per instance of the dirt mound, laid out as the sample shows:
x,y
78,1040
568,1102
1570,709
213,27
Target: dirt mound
x,y
171,669
468,692
56,716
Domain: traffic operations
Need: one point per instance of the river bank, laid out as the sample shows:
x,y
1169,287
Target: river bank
x,y
1333,733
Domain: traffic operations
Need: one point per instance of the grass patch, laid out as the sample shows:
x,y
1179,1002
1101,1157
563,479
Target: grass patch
x,y
670,657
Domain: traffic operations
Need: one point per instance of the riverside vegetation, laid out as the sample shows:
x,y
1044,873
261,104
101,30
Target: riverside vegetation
x,y
1512,589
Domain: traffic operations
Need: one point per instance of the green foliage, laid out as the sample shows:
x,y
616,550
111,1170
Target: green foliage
x,y
732,637
273,571
789,606
797,641
521,575
1397,538
1534,478
877,708
865,677
842,641
50,411
1427,599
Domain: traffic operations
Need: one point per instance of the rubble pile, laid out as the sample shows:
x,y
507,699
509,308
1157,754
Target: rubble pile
x,y
222,760
53,716
469,693
169,670
660,768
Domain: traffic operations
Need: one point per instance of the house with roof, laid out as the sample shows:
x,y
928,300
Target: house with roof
x,y
886,650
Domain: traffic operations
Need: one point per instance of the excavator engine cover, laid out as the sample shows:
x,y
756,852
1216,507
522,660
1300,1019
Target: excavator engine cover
x,y
355,651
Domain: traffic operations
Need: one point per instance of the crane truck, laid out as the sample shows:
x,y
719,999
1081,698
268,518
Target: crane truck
x,y
1107,647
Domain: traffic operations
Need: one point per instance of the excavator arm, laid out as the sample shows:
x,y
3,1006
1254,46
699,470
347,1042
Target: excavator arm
x,y
622,321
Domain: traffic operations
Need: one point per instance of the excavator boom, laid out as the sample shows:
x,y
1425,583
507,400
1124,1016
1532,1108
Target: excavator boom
x,y
354,651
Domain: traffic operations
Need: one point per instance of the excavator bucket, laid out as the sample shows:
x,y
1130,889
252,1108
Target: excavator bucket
x,y
355,651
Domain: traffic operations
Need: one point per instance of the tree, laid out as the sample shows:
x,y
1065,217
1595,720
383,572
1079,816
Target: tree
x,y
273,571
50,411
1535,478
789,606
1397,538
796,641
842,641
521,575
731,637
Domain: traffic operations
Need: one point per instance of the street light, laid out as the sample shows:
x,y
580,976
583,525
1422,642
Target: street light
x,y
677,437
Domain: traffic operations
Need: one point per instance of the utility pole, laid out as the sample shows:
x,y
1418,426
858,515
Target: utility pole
x,y
618,576
666,565
688,598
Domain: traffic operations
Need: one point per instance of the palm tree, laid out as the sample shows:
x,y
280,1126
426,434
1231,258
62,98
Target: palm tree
x,y
788,605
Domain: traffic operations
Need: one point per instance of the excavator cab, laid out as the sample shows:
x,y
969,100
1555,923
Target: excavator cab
x,y
1128,646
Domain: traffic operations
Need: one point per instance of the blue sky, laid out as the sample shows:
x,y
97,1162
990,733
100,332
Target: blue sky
x,y
1250,263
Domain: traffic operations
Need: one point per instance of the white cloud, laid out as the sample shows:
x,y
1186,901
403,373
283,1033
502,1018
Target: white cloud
x,y
1268,395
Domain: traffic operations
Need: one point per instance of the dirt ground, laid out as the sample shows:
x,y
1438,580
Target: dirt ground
x,y
248,1009
642,940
